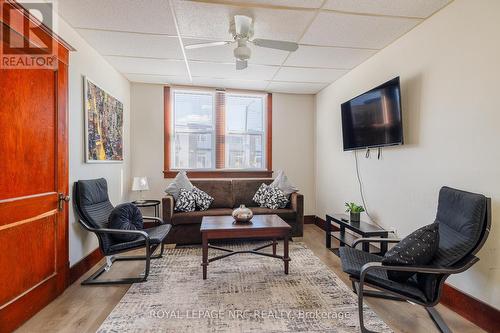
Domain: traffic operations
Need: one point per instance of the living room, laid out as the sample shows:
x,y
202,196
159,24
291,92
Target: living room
x,y
249,166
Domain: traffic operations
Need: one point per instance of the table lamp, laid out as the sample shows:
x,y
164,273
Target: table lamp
x,y
140,184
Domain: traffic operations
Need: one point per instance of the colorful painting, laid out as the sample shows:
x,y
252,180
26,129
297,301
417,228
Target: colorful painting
x,y
104,125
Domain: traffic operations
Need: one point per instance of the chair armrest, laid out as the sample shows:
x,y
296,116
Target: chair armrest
x,y
152,218
168,204
141,233
375,240
429,269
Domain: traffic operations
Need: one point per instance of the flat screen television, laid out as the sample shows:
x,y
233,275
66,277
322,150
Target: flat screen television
x,y
373,119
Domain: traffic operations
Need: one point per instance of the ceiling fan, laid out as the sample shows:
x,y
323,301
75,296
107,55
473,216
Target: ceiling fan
x,y
242,30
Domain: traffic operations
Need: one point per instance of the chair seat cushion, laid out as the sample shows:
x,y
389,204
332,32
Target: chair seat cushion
x,y
353,260
156,235
126,216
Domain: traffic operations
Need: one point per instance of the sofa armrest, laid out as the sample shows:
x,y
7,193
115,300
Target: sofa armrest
x,y
297,204
168,204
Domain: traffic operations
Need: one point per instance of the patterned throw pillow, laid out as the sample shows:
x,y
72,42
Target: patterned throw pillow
x,y
259,195
275,198
203,200
186,201
418,248
270,197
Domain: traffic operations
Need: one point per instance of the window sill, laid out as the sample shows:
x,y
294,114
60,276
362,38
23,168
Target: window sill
x,y
222,174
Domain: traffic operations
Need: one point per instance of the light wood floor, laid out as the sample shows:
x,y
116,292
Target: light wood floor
x,y
83,309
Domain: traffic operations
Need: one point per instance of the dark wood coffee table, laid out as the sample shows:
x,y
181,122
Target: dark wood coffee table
x,y
262,226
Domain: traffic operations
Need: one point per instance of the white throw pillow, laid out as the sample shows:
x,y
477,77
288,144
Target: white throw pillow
x,y
281,181
180,181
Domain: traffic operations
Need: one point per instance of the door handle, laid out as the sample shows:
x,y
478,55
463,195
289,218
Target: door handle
x,y
62,198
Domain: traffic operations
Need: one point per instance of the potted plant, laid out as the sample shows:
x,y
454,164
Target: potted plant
x,y
354,210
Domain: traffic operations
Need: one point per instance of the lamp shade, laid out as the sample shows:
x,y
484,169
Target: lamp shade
x,y
140,184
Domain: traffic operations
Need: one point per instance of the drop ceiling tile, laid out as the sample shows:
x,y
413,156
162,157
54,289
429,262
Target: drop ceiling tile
x,y
410,8
287,3
228,71
300,74
295,88
147,16
335,29
231,84
212,21
132,44
148,66
158,79
328,57
260,55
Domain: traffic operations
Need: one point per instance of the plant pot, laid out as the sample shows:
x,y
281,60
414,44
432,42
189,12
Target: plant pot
x,y
354,217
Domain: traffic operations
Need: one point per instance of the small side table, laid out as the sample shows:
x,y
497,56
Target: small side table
x,y
150,203
361,228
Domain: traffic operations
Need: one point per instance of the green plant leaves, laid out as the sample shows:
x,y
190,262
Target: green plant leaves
x,y
354,208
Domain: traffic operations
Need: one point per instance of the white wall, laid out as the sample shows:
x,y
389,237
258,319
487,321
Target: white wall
x,y
293,139
293,143
87,62
450,68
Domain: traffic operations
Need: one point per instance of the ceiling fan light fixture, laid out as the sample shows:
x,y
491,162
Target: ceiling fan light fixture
x,y
242,52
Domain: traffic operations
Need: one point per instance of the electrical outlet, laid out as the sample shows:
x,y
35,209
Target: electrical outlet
x,y
393,230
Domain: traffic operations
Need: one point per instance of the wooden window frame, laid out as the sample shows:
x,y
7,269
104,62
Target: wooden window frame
x,y
168,172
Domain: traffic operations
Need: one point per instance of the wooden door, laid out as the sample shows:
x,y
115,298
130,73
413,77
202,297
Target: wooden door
x,y
34,262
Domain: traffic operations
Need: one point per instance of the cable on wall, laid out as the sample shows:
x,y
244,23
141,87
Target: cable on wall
x,y
361,189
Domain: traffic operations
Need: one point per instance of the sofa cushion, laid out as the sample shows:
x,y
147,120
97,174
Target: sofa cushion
x,y
244,190
196,216
220,190
284,213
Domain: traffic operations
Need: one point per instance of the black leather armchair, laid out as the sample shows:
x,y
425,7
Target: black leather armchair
x,y
464,223
93,207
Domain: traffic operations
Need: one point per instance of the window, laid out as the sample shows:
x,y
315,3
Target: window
x,y
217,134
193,130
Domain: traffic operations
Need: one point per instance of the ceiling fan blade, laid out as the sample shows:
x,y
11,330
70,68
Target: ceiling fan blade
x,y
210,44
242,24
276,44
241,64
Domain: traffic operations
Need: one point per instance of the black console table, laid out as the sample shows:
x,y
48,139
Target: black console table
x,y
361,228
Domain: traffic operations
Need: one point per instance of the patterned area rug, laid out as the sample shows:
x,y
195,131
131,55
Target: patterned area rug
x,y
243,293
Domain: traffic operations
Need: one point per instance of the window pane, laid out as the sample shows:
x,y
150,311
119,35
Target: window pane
x,y
192,147
193,111
244,113
244,151
193,151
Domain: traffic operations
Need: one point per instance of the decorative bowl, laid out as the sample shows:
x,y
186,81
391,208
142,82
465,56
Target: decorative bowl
x,y
242,214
